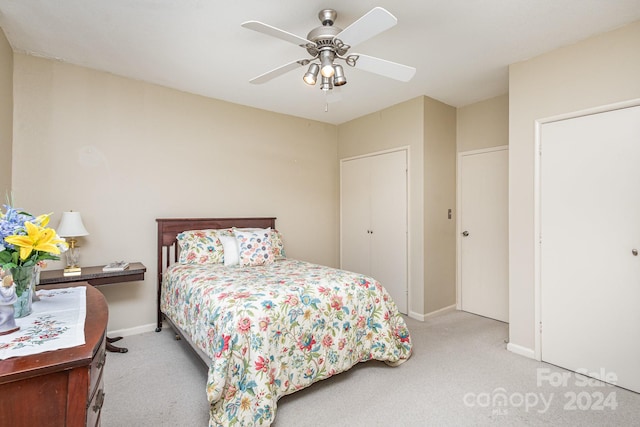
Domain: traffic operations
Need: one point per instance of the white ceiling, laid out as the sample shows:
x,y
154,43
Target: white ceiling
x,y
461,48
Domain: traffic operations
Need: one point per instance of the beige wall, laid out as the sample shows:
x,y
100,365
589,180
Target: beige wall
x,y
439,197
484,124
602,70
6,114
124,152
397,126
108,147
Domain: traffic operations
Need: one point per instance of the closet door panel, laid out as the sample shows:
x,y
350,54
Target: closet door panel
x,y
590,243
355,215
389,224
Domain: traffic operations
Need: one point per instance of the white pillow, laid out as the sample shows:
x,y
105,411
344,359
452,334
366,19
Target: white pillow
x,y
231,251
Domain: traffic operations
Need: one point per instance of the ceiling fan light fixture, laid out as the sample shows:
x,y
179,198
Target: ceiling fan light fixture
x,y
339,78
311,76
326,63
326,83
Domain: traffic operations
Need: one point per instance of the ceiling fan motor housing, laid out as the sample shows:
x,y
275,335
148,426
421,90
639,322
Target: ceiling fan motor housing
x,y
324,36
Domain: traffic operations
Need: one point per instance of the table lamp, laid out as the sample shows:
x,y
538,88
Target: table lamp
x,y
71,226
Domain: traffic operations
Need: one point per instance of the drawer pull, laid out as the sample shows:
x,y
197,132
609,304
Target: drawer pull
x,y
102,360
99,401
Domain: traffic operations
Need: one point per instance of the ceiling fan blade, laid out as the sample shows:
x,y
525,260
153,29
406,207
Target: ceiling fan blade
x,y
275,32
369,25
393,70
263,78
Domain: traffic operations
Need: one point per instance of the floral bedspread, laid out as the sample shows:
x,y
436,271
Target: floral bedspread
x,y
274,329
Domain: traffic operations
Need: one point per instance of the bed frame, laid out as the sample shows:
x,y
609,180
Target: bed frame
x,y
168,251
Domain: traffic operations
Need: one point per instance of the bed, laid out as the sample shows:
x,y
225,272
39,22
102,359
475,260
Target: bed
x,y
267,325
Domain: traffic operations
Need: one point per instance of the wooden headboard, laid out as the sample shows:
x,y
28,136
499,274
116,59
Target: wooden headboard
x,y
169,228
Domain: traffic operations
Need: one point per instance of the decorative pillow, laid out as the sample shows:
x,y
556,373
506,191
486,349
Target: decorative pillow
x,y
254,246
277,246
230,245
199,247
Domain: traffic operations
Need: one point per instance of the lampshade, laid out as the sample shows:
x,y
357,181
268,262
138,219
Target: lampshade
x,y
326,63
326,83
339,79
311,75
71,225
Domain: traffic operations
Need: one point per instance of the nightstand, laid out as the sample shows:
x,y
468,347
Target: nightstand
x,y
96,277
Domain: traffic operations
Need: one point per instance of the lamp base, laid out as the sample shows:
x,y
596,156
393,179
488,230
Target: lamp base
x,y
72,271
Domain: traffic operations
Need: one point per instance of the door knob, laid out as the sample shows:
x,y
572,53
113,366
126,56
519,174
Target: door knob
x,y
634,252
465,233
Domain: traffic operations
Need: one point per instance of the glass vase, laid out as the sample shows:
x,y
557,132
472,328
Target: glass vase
x,y
25,280
35,282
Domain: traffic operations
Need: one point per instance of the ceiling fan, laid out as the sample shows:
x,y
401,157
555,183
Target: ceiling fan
x,y
328,44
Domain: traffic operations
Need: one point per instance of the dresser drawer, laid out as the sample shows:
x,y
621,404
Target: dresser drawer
x,y
97,365
95,405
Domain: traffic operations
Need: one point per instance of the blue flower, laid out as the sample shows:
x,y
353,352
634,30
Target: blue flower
x,y
268,304
27,234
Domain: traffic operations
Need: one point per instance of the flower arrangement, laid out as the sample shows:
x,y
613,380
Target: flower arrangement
x,y
25,240
25,243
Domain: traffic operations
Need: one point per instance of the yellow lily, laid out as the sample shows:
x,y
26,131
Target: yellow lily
x,y
43,220
37,239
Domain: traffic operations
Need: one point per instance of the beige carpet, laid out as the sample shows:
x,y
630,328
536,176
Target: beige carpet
x,y
459,375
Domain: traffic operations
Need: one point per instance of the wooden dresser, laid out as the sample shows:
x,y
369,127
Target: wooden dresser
x,y
62,387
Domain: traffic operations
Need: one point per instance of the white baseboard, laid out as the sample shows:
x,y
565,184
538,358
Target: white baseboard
x,y
522,351
423,317
441,311
417,316
133,331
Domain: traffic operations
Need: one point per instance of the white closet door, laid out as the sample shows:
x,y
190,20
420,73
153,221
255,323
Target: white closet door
x,y
389,224
484,243
373,199
590,225
355,206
